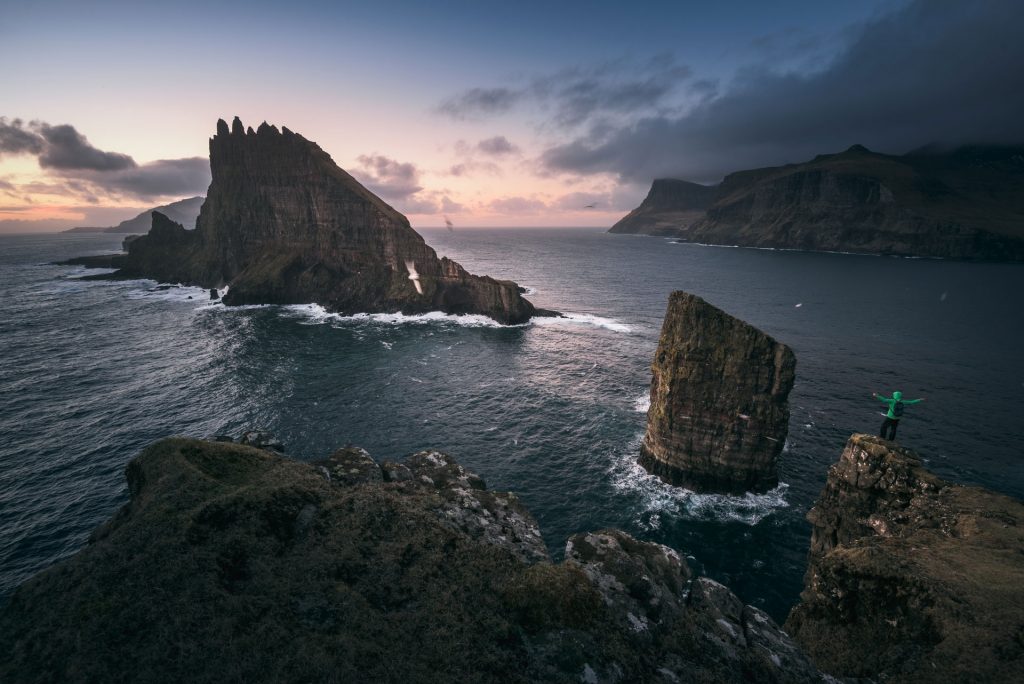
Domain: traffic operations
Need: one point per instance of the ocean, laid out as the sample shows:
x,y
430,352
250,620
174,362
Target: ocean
x,y
554,410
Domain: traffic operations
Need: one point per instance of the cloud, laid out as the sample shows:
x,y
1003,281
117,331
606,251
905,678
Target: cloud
x,y
573,96
479,102
930,72
81,170
165,177
16,139
388,178
66,148
517,205
498,145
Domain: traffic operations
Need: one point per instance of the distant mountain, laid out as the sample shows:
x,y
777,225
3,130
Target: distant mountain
x,y
670,205
966,203
183,211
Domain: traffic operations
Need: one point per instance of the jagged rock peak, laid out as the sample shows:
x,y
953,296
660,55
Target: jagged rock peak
x,y
267,129
222,127
236,127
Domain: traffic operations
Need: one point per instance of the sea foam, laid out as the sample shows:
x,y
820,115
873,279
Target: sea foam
x,y
656,498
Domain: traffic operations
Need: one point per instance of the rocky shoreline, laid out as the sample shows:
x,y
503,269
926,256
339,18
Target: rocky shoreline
x,y
234,563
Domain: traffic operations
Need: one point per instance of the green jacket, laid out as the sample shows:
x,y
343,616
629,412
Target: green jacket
x,y
891,401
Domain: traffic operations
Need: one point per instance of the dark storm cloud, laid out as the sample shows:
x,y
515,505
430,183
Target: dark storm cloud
x,y
575,95
479,102
16,139
498,145
89,172
66,148
165,177
932,72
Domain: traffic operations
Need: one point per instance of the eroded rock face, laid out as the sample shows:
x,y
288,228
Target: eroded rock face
x,y
283,224
719,401
963,204
670,206
911,578
234,563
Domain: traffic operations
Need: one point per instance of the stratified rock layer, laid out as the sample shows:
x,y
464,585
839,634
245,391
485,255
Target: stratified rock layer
x,y
965,204
232,563
283,224
719,411
911,578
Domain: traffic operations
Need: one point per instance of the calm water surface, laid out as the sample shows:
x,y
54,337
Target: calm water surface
x,y
94,371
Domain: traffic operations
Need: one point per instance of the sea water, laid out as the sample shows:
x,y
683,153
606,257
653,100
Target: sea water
x,y
93,371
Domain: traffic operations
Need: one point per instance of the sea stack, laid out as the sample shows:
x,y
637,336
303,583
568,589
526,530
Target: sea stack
x,y
283,224
911,578
719,401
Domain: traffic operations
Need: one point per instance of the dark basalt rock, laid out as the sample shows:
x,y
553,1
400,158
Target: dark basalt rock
x,y
283,224
911,578
232,563
719,401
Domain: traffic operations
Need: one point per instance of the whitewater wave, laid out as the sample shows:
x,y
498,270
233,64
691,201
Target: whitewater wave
x,y
316,314
656,498
583,319
175,293
642,404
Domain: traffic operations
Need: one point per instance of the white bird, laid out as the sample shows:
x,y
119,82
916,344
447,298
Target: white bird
x,y
414,276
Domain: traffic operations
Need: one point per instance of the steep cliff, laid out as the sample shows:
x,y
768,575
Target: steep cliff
x,y
232,563
965,204
719,401
670,206
911,578
283,224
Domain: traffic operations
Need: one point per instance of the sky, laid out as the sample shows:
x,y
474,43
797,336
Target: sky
x,y
487,113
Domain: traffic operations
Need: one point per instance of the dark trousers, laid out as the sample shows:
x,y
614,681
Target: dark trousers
x,y
889,424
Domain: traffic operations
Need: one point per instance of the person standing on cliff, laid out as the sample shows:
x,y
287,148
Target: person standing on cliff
x,y
895,412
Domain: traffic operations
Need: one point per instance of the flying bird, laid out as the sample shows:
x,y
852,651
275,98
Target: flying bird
x,y
414,276
589,206
449,224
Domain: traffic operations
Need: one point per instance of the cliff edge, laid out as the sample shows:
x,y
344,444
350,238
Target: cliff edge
x,y
232,563
911,578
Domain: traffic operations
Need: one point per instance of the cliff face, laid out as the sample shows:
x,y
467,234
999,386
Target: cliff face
x,y
283,224
964,204
719,401
670,205
231,563
911,578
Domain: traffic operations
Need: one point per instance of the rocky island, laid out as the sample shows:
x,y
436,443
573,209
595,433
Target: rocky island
x,y
283,224
234,563
719,401
966,203
184,211
911,578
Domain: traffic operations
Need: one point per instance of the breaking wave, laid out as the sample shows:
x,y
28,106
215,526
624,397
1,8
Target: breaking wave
x,y
656,498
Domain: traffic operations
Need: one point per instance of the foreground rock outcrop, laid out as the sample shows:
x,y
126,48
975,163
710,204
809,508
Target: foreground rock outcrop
x,y
283,224
234,563
719,401
911,578
962,204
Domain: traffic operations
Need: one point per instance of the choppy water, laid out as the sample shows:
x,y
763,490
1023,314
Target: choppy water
x,y
94,371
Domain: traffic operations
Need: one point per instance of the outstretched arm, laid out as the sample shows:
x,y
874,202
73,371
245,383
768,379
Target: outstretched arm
x,y
879,397
913,401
